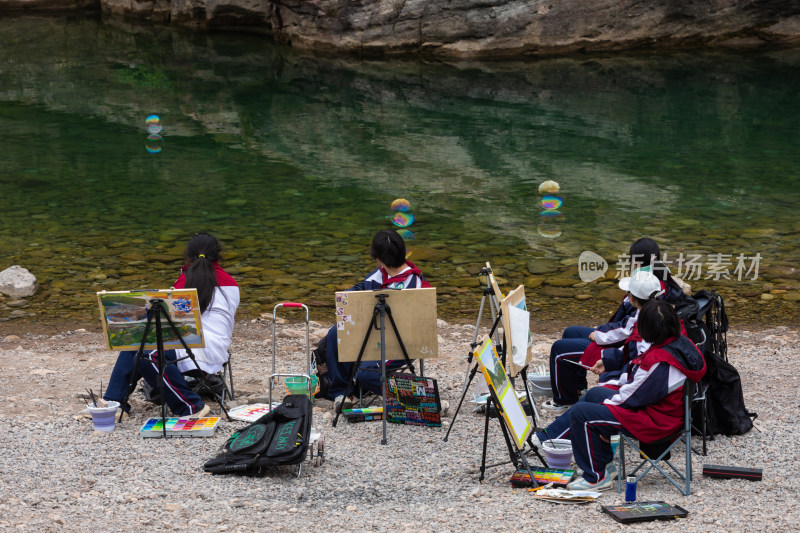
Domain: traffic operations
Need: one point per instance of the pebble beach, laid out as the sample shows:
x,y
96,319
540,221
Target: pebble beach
x,y
58,474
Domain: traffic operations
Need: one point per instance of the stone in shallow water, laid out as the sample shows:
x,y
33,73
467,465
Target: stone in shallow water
x,y
560,282
539,266
17,282
557,292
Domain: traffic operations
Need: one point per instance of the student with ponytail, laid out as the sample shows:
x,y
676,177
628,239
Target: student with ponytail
x,y
219,298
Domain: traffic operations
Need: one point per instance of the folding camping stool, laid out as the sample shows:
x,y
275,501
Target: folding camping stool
x,y
684,436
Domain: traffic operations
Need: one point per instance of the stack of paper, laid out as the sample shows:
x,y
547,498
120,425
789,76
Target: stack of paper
x,y
566,496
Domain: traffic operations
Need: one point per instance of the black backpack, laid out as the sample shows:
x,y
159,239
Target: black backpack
x,y
726,413
280,437
725,410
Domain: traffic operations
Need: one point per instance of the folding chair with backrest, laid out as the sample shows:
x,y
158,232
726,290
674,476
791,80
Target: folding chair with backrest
x,y
665,447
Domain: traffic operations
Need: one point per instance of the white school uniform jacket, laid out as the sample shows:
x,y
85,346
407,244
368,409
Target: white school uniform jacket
x,y
217,320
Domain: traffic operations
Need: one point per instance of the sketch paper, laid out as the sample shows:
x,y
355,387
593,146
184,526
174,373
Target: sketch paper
x,y
512,322
124,317
516,415
520,320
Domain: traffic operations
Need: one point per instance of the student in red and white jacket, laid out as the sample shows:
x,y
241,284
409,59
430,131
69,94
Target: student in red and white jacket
x,y
648,403
218,296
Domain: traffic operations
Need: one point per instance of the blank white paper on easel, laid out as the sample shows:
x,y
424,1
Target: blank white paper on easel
x,y
520,331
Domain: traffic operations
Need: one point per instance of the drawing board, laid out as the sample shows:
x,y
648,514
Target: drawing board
x,y
414,313
517,328
124,317
495,375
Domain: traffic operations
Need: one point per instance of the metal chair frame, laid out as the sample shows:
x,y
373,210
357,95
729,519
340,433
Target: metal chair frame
x,y
684,436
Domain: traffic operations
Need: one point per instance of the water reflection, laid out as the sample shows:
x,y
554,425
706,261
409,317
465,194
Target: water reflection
x,y
292,161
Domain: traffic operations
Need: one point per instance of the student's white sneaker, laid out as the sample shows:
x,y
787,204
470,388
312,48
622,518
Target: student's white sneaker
x,y
604,484
581,484
202,412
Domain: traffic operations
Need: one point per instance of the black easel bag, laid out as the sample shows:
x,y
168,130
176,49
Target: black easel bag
x,y
280,437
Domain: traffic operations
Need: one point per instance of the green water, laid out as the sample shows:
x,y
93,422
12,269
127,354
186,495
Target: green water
x,y
293,161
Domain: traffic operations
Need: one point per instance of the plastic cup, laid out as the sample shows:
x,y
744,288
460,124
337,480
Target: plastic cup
x,y
104,418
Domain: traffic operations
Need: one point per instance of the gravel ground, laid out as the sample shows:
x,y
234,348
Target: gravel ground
x,y
57,474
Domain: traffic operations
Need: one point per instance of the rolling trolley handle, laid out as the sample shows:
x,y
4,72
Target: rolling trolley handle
x,y
274,346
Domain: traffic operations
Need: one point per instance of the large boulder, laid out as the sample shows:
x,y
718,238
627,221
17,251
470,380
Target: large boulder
x,y
17,282
46,6
487,28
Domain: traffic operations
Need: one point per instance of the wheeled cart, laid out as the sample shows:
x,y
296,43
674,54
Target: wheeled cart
x,y
298,383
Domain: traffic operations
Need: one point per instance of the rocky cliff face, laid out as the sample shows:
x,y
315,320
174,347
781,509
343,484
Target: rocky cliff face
x,y
476,28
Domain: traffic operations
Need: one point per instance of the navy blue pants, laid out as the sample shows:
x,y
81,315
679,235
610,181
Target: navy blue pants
x,y
180,398
560,427
587,423
568,380
368,375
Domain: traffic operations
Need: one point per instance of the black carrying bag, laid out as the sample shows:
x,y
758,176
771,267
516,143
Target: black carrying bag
x,y
280,437
725,413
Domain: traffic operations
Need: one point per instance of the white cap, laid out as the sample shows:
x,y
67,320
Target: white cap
x,y
642,284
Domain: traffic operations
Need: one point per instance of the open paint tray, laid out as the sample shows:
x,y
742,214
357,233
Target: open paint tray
x,y
559,477
181,427
364,414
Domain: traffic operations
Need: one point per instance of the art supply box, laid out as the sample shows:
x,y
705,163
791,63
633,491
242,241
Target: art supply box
x,y
181,427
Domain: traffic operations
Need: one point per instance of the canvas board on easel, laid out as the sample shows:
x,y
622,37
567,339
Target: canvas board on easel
x,y
517,329
414,313
494,373
124,317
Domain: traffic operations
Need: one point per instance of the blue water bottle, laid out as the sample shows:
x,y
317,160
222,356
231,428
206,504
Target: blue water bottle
x,y
630,489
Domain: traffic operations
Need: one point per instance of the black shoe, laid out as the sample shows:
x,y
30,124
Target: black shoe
x,y
324,386
151,394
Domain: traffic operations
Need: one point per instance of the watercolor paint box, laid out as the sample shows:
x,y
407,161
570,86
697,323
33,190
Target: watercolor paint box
x,y
181,427
559,477
364,414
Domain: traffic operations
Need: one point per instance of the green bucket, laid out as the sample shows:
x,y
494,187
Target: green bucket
x,y
297,385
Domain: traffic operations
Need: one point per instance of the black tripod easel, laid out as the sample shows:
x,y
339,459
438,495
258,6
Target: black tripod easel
x,y
154,314
494,306
381,310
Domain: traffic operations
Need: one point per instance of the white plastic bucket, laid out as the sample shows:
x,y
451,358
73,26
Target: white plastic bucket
x,y
558,453
539,384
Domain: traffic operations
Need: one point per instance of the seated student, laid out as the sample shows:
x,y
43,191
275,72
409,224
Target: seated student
x,y
648,403
393,272
218,296
642,288
567,380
